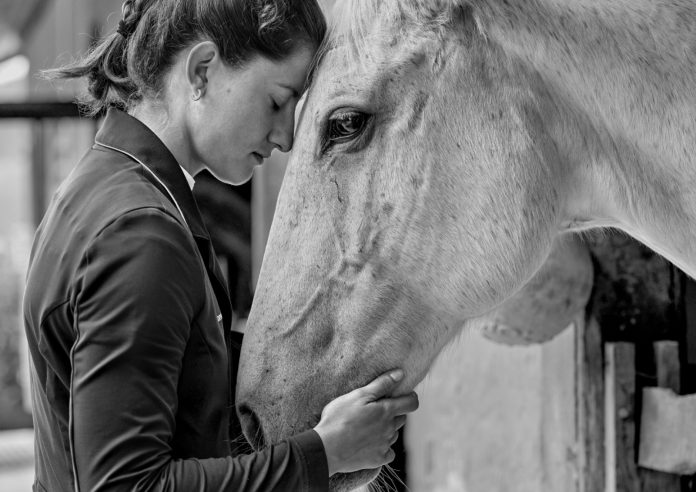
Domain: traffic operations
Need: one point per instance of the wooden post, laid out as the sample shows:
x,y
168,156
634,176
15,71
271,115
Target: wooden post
x,y
589,365
621,417
623,472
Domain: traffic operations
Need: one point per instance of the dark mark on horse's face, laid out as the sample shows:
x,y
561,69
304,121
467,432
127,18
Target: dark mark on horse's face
x,y
419,105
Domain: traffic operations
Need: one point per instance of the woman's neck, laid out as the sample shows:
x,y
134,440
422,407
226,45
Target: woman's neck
x,y
171,130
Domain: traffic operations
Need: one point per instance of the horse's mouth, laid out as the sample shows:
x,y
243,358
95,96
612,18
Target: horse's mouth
x,y
255,435
251,426
343,482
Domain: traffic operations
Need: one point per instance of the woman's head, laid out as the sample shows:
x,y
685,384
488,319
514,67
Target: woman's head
x,y
228,74
132,63
232,118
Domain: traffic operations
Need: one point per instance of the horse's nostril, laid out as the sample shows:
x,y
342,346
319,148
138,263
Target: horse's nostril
x,y
251,426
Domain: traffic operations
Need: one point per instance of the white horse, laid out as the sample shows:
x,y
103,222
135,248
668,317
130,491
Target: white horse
x,y
444,147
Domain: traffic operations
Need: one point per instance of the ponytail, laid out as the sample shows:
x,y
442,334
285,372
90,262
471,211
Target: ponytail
x,y
106,67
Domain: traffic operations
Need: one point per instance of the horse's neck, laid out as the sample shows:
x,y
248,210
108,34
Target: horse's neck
x,y
629,67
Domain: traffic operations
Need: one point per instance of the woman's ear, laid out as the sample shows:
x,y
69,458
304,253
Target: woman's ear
x,y
198,65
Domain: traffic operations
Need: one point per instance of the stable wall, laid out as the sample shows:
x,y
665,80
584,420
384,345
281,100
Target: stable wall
x,y
495,418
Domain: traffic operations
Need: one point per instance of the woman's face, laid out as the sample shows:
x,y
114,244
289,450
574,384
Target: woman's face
x,y
246,112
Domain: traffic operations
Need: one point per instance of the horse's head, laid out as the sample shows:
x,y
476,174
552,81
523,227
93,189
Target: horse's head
x,y
424,190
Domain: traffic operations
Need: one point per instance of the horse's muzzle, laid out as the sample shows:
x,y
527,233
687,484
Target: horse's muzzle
x,y
251,426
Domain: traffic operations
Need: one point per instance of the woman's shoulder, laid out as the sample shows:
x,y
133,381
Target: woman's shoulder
x,y
109,194
105,186
106,214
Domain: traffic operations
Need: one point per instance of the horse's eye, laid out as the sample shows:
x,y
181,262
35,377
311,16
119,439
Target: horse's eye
x,y
345,126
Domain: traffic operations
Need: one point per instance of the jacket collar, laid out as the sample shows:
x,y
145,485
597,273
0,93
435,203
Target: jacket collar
x,y
123,133
127,134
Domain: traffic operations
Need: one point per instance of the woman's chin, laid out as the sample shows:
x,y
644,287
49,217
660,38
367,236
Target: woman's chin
x,y
235,179
344,482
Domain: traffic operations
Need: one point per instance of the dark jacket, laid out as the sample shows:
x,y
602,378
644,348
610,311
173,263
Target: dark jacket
x,y
128,322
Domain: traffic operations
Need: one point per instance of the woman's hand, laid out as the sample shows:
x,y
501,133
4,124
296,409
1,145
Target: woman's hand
x,y
359,428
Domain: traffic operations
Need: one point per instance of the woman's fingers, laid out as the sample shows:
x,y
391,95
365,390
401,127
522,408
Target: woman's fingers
x,y
383,385
402,405
399,421
394,438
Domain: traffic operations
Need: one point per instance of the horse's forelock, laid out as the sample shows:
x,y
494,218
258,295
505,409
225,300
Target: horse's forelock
x,y
364,25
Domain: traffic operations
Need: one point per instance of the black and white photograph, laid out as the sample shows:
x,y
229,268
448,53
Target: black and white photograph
x,y
348,245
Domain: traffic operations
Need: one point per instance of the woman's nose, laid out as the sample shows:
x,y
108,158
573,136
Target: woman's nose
x,y
283,132
283,141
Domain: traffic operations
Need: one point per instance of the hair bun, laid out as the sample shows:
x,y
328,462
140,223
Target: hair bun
x,y
127,9
129,19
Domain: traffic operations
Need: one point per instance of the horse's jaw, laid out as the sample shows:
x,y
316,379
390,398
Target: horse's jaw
x,y
289,371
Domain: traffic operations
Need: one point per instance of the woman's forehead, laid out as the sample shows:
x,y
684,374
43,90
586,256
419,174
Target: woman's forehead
x,y
289,73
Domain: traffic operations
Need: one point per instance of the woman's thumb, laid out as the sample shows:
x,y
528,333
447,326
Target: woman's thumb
x,y
383,385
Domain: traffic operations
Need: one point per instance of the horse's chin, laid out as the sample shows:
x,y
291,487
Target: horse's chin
x,y
344,482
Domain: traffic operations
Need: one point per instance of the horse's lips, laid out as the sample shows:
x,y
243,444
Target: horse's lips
x,y
341,482
251,426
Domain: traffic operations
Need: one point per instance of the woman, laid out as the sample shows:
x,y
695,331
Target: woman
x,y
126,313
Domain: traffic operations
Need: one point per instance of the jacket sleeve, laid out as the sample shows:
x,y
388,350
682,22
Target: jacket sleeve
x,y
136,293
